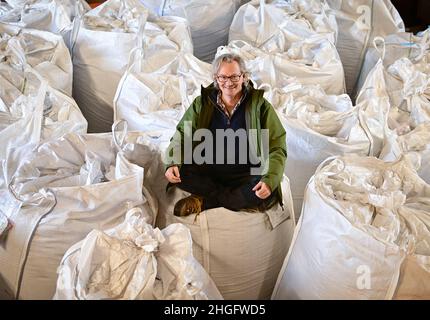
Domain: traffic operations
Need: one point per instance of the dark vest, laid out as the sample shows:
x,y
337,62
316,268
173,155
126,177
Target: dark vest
x,y
230,136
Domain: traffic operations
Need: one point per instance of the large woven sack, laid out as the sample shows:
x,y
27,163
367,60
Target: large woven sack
x,y
408,120
413,98
393,47
65,188
363,234
241,251
44,52
376,94
359,22
209,21
154,94
31,112
274,25
134,261
415,143
401,128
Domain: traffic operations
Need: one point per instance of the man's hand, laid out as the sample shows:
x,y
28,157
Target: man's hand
x,y
172,174
262,190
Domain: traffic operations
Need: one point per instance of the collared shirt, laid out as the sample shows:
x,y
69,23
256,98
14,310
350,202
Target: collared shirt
x,y
222,106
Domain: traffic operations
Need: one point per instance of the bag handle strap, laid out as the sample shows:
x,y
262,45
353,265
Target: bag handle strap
x,y
119,141
326,161
379,41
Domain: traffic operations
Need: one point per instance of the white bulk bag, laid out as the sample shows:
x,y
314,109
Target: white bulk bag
x,y
403,92
359,22
363,234
318,126
21,107
405,83
415,90
241,251
55,16
273,25
67,188
403,127
45,52
415,142
375,99
134,261
25,96
311,61
393,47
209,21
30,113
103,43
151,98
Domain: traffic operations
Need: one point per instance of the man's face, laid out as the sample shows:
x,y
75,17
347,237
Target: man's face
x,y
226,71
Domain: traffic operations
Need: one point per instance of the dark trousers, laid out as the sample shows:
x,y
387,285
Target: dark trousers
x,y
223,186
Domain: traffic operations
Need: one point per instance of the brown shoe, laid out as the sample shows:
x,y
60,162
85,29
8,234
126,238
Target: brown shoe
x,y
189,205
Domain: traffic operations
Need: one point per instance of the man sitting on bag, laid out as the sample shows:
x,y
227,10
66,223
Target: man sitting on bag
x,y
221,171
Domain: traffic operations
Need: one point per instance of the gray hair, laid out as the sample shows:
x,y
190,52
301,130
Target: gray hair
x,y
229,57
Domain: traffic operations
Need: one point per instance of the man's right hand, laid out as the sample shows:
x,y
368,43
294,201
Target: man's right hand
x,y
172,174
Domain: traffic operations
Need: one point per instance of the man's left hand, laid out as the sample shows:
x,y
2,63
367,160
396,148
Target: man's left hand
x,y
262,190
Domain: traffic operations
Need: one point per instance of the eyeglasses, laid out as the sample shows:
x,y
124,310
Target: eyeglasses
x,y
233,78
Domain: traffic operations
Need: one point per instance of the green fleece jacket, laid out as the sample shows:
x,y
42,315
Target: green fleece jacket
x,y
259,114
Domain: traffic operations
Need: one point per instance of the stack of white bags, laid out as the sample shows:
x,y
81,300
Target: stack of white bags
x,y
87,216
65,189
102,44
363,230
35,99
